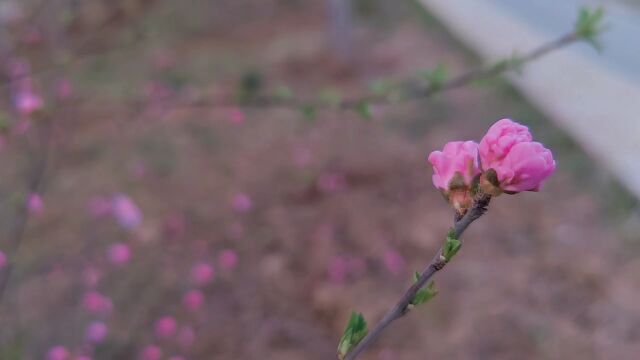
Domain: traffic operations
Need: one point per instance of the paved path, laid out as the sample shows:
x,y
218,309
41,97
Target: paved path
x,y
595,99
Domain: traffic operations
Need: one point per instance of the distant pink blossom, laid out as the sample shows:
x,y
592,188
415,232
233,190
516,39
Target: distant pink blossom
x,y
338,269
3,260
165,327
520,164
331,182
58,352
96,303
228,259
241,203
393,261
151,352
27,102
96,332
126,212
236,115
100,206
202,273
35,205
193,300
63,89
119,253
186,337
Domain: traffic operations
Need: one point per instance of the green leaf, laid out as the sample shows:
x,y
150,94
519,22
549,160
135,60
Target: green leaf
x,y
423,295
589,25
308,111
356,330
451,246
364,109
436,77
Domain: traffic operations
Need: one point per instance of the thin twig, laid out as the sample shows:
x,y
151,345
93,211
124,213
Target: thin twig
x,y
437,263
410,94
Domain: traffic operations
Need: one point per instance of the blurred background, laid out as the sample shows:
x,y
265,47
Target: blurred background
x,y
141,218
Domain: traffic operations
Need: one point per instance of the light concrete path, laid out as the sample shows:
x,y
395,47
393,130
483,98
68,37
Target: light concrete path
x,y
596,99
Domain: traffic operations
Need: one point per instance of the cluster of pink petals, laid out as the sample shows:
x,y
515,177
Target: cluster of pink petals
x,y
165,327
151,352
228,259
193,300
202,273
58,353
119,254
457,157
94,302
96,332
520,163
35,205
241,203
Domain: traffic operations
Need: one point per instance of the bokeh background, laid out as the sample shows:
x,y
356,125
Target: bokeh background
x,y
155,229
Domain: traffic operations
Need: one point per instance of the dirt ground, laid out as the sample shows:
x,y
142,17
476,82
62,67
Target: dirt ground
x,y
342,209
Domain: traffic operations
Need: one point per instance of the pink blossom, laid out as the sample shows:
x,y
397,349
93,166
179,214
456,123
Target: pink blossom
x,y
165,327
27,102
241,203
35,205
393,261
331,182
3,260
455,165
202,273
126,212
96,332
186,337
236,115
100,206
151,352
228,259
193,300
58,352
63,89
520,164
338,269
94,302
119,253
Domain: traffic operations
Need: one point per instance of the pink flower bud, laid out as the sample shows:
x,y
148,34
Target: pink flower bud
x,y
119,254
126,212
165,327
58,352
228,259
453,171
27,102
193,300
151,352
512,162
202,273
96,332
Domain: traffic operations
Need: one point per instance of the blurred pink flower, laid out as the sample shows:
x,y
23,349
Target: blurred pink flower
x,y
119,253
186,337
331,182
165,327
35,204
338,269
96,303
126,212
228,259
394,261
96,332
63,89
100,206
58,352
91,276
520,164
193,300
301,156
455,166
236,115
27,102
202,273
241,203
3,260
151,352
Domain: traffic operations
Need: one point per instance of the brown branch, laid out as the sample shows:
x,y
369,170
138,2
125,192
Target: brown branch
x,y
437,263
